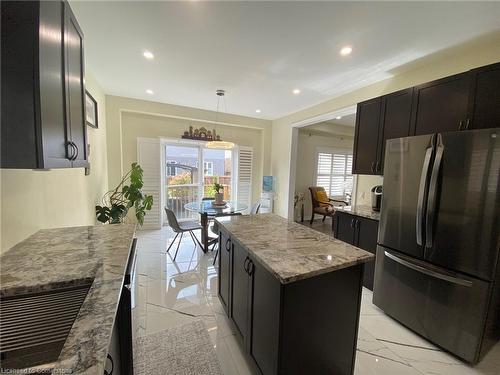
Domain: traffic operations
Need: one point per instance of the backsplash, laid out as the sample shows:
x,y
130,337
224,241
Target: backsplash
x,y
364,187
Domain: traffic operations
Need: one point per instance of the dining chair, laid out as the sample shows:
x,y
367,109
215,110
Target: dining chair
x,y
181,228
255,208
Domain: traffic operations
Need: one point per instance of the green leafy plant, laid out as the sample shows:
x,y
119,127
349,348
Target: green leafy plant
x,y
117,202
218,188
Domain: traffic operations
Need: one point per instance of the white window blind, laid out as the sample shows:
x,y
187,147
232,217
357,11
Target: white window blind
x,y
334,173
244,184
149,158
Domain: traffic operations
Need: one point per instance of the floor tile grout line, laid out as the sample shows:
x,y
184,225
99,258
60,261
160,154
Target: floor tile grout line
x,y
384,357
409,345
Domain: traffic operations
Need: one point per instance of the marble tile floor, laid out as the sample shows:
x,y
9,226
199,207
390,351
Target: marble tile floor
x,y
168,294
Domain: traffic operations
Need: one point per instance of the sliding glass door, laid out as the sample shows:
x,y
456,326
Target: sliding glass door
x,y
217,168
191,172
183,178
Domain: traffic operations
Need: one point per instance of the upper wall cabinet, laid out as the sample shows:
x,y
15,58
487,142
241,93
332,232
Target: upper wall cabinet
x,y
378,120
43,112
366,136
441,105
484,101
465,101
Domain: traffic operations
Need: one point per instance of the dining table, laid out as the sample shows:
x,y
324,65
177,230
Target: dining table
x,y
208,210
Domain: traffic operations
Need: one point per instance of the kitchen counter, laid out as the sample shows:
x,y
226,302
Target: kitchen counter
x,y
282,283
62,257
361,210
291,251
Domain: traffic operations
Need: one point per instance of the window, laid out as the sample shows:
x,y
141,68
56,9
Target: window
x,y
334,172
208,167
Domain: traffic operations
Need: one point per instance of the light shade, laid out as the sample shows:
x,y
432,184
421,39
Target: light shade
x,y
220,145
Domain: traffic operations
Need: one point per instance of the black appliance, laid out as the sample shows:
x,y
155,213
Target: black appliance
x,y
438,244
376,197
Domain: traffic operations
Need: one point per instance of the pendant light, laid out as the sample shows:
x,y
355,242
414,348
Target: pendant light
x,y
220,144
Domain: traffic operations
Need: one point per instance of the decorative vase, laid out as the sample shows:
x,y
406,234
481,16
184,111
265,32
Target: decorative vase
x,y
219,198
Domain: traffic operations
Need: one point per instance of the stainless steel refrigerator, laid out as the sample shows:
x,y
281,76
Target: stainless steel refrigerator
x,y
437,267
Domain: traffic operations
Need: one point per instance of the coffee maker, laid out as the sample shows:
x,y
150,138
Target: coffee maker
x,y
376,197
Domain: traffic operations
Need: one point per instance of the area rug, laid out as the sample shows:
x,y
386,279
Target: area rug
x,y
182,350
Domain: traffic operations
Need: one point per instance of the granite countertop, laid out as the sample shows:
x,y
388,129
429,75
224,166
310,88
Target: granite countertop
x,y
55,258
361,210
291,251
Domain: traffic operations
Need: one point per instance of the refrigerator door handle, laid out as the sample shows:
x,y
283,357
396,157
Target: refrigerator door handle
x,y
427,271
421,195
432,197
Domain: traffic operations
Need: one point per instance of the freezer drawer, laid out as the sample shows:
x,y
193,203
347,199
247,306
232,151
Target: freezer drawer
x,y
446,308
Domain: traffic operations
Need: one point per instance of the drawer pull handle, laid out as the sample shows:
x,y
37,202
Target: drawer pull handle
x,y
427,271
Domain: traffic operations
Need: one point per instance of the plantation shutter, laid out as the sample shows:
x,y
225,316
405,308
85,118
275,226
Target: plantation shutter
x,y
334,173
244,182
149,158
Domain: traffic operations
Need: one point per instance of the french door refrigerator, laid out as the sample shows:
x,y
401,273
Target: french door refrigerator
x,y
438,242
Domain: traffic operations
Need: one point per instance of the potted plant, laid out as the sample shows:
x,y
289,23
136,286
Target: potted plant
x,y
219,193
117,202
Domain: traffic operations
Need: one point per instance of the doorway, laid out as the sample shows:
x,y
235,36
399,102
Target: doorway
x,y
190,174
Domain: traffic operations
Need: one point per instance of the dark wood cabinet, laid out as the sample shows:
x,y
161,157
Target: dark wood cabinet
x,y
366,136
378,120
287,328
484,101
441,105
395,121
240,286
75,89
42,110
345,227
225,259
360,232
464,101
265,303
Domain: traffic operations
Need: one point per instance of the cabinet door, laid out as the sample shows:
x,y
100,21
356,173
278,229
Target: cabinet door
x,y
345,227
366,136
224,269
395,121
52,85
441,105
75,89
240,283
366,239
484,108
265,304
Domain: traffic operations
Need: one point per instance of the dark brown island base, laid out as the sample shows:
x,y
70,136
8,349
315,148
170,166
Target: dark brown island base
x,y
293,294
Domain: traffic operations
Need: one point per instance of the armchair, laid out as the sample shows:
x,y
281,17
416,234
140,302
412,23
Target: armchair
x,y
321,204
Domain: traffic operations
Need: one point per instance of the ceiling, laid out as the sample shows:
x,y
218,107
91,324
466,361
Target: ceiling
x,y
260,51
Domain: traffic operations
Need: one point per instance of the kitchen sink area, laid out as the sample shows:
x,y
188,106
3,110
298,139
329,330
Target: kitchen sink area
x,y
34,327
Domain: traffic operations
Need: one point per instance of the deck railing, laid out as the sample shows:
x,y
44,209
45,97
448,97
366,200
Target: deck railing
x,y
179,195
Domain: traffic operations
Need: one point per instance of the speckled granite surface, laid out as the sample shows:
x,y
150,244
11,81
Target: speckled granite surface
x,y
291,251
54,258
362,211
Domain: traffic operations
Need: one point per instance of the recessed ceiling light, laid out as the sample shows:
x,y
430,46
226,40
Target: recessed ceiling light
x,y
258,111
150,92
148,55
346,50
338,117
296,91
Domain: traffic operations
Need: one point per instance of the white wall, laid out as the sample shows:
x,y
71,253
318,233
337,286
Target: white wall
x,y
308,143
129,118
33,200
455,60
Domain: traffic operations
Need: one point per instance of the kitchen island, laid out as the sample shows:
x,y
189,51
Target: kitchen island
x,y
292,293
88,261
